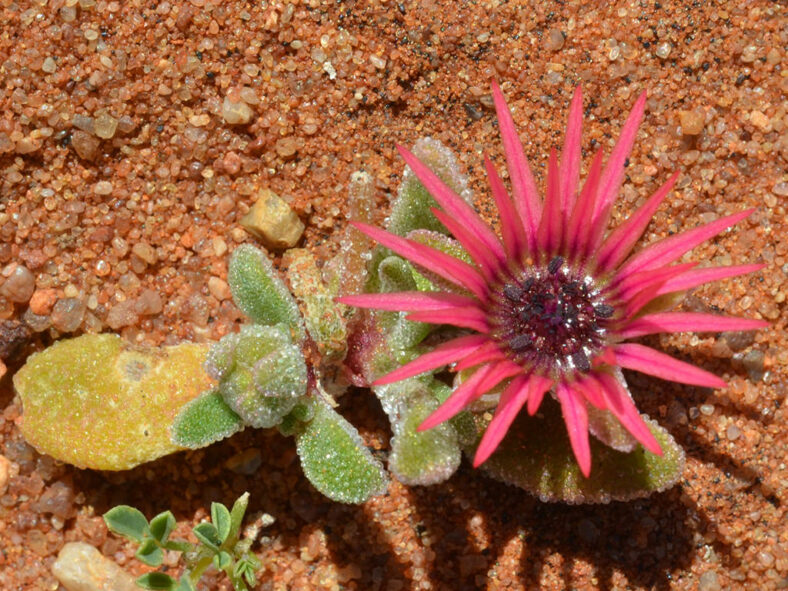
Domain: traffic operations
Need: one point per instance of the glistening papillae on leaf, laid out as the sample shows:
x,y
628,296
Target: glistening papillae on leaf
x,y
97,402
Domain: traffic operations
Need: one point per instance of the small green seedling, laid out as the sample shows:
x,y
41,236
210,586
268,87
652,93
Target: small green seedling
x,y
219,545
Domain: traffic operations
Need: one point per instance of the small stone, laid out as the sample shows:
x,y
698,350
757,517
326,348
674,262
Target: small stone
x,y
19,284
81,567
102,188
37,322
707,409
49,66
57,500
709,581
236,113
5,468
219,288
13,336
377,61
691,122
84,123
781,189
753,362
42,300
663,50
105,126
67,314
286,147
732,433
122,314
273,222
555,40
148,303
761,121
146,252
85,145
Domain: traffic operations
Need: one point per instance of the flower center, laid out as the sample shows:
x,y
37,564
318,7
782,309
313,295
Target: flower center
x,y
550,318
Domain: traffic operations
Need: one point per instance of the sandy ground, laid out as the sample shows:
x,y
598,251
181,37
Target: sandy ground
x,y
124,177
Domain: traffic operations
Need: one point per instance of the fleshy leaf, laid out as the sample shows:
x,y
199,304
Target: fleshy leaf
x,y
162,525
322,316
127,522
418,458
603,425
156,581
205,420
207,534
335,460
411,210
113,403
220,517
261,373
536,456
150,553
260,293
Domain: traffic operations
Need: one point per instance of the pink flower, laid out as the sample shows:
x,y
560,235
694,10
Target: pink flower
x,y
551,303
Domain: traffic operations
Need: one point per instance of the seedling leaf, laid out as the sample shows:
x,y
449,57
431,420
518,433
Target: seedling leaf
x,y
220,516
161,526
127,522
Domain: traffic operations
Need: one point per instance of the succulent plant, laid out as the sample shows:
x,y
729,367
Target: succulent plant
x,y
263,379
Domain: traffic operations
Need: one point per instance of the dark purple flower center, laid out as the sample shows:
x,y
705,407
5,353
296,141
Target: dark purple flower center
x,y
550,318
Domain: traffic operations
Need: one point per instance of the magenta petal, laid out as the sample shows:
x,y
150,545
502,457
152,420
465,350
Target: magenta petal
x,y
686,322
469,317
512,400
524,192
670,249
443,354
698,277
548,236
539,386
576,418
452,203
406,301
484,258
579,230
591,391
464,393
621,405
490,351
617,246
571,155
646,360
613,174
446,266
511,226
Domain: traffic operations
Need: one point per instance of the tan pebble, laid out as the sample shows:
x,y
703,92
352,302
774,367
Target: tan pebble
x,y
219,288
273,222
286,147
42,301
236,113
691,122
81,567
219,246
5,468
760,121
146,252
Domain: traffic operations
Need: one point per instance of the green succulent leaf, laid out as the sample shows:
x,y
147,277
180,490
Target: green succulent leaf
x,y
205,420
127,522
411,210
220,516
149,552
161,526
322,316
260,293
536,455
184,584
335,460
157,581
418,458
207,533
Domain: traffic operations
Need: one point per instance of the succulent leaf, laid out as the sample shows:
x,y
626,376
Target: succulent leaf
x,y
127,522
112,402
204,421
536,456
322,316
156,581
161,526
418,458
260,293
335,460
411,209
